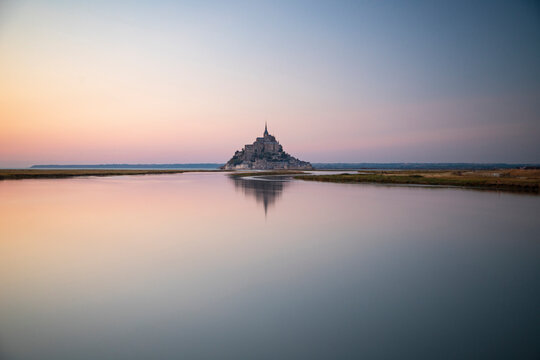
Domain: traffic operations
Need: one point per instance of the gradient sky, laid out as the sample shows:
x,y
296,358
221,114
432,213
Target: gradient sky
x,y
351,81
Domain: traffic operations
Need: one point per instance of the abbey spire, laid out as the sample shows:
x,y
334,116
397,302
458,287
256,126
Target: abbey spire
x,y
266,153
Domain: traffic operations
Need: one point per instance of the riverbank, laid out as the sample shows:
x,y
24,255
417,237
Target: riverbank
x,y
518,180
18,174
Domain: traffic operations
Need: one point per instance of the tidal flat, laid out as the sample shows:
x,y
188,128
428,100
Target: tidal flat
x,y
18,174
518,180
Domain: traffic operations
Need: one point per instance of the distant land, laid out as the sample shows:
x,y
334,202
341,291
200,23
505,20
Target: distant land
x,y
423,166
317,166
204,166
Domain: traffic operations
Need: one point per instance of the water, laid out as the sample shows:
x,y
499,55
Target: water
x,y
201,266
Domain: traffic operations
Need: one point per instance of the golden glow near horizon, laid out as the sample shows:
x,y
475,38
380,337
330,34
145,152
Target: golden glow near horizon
x,y
165,82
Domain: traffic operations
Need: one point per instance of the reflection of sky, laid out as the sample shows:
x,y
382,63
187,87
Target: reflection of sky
x,y
148,267
163,81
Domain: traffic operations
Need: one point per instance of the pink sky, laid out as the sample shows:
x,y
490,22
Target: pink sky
x,y
174,84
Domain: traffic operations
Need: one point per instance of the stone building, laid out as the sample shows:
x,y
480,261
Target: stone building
x,y
266,153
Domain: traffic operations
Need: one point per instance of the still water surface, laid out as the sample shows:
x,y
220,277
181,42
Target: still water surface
x,y
201,266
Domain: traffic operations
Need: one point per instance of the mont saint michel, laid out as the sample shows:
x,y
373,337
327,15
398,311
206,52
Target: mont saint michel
x,y
266,153
135,222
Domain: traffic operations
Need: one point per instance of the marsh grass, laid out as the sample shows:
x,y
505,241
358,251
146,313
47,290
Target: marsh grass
x,y
17,174
508,180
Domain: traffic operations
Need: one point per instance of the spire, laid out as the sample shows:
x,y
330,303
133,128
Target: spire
x,y
265,129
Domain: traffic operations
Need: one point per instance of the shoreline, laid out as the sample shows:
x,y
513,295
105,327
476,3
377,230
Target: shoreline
x,y
21,174
515,180
525,181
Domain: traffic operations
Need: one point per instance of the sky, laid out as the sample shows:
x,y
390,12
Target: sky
x,y
86,82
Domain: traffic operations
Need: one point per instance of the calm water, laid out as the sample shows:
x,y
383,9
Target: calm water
x,y
200,266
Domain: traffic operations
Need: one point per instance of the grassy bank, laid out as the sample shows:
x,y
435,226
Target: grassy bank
x,y
506,180
17,174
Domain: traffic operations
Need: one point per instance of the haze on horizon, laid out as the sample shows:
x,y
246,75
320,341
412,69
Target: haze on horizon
x,y
193,81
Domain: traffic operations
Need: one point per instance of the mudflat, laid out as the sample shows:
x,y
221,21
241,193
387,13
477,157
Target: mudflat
x,y
521,180
17,174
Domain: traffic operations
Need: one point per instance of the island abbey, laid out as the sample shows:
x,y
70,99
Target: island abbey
x,y
266,153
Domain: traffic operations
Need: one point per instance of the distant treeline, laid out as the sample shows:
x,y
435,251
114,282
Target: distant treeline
x,y
132,166
420,166
318,166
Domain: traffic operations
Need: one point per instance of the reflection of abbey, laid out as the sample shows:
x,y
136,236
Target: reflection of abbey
x,y
265,192
265,153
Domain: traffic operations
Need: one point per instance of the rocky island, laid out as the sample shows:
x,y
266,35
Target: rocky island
x,y
266,153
